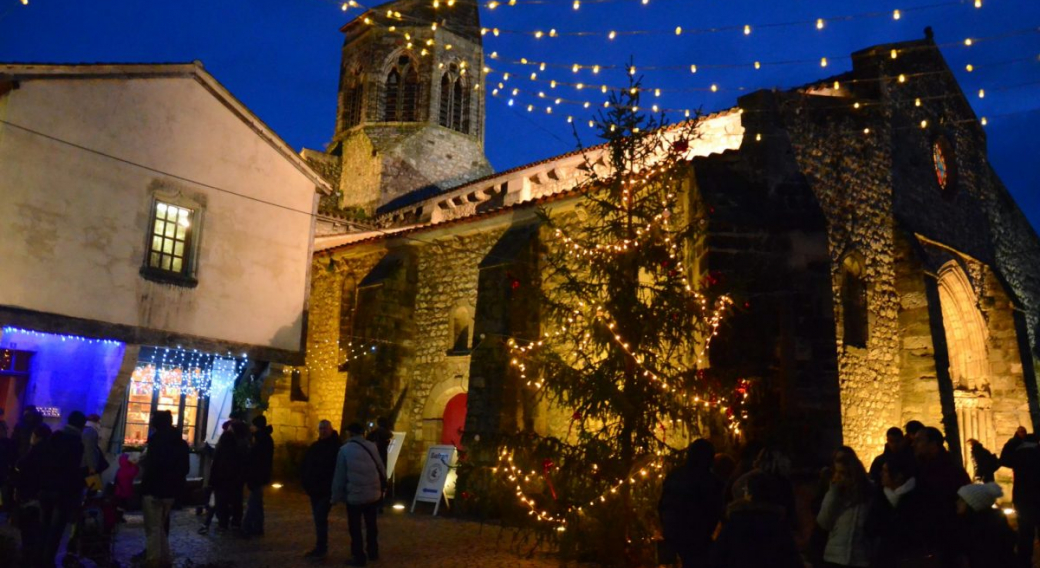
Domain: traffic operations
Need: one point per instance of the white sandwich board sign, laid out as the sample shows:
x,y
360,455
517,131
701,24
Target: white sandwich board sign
x,y
438,477
393,451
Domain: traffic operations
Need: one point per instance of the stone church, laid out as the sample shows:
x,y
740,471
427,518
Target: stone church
x,y
884,270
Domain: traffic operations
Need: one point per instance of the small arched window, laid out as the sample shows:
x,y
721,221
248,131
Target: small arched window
x,y
855,322
403,92
461,329
353,95
347,306
454,112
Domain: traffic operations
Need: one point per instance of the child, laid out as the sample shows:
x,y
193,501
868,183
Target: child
x,y
128,470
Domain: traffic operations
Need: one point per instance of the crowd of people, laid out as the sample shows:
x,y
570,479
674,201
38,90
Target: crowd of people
x,y
915,507
46,477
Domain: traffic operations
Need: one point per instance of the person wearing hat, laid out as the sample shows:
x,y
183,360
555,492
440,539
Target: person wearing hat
x,y
258,474
984,538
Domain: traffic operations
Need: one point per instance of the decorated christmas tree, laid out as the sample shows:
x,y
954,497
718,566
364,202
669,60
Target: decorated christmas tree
x,y
626,324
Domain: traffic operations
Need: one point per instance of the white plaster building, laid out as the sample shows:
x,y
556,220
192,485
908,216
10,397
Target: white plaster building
x,y
138,207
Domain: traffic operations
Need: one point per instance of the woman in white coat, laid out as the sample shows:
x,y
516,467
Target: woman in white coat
x,y
844,512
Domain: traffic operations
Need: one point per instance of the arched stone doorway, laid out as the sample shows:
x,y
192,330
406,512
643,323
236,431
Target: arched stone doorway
x,y
454,420
966,341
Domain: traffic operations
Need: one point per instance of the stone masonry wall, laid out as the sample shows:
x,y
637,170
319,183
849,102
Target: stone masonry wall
x,y
325,384
850,174
447,279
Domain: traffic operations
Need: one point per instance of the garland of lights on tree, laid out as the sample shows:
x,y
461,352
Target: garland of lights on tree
x,y
624,347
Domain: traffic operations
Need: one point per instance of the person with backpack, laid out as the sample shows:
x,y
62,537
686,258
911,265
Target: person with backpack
x,y
165,466
359,481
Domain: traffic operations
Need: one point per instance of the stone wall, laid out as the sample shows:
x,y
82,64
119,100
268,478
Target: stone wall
x,y
324,384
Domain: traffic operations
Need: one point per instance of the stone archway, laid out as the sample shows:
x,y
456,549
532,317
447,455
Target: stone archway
x,y
433,415
966,341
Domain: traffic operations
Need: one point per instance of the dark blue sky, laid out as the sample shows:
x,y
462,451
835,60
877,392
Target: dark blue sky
x,y
281,57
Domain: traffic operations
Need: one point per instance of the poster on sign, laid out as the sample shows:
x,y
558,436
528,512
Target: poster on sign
x,y
392,451
438,477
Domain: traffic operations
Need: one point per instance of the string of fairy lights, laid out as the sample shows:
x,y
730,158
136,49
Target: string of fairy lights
x,y
548,103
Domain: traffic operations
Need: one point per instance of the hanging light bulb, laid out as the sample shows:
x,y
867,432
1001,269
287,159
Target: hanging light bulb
x,y
577,4
678,30
896,15
982,93
747,29
758,65
823,62
693,68
819,23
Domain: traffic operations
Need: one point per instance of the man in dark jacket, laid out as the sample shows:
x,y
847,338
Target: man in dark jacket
x,y
61,482
895,443
897,518
258,474
316,471
165,466
1022,455
692,504
939,476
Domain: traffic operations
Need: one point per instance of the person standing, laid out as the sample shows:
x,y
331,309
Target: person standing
x,y
844,511
984,539
28,474
61,483
23,431
165,466
359,481
8,458
316,472
258,474
381,437
1022,455
91,462
756,534
226,477
692,504
939,476
897,518
895,443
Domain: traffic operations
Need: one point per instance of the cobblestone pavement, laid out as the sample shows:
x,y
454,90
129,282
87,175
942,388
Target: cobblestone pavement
x,y
413,540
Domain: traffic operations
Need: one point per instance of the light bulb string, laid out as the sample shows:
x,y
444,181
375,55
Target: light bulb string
x,y
758,64
735,27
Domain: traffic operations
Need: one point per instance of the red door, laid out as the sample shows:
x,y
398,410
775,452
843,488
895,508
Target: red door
x,y
454,420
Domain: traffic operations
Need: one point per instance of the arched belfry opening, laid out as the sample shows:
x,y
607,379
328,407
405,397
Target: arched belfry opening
x,y
402,91
454,100
965,331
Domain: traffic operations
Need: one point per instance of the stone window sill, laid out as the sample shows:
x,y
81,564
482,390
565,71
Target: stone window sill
x,y
459,352
856,350
167,277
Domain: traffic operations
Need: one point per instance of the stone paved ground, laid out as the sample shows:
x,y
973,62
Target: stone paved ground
x,y
412,540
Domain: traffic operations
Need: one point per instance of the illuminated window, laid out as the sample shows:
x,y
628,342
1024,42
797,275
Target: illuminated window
x,y
942,175
942,159
170,240
151,391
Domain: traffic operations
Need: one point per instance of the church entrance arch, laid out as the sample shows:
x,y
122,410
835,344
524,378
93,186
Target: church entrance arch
x,y
966,341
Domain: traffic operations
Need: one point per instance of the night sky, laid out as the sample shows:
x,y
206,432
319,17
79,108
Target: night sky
x,y
281,58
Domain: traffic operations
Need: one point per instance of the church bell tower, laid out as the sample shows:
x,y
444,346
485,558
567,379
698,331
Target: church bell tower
x,y
410,118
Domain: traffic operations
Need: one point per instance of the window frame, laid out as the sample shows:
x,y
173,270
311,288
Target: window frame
x,y
187,276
